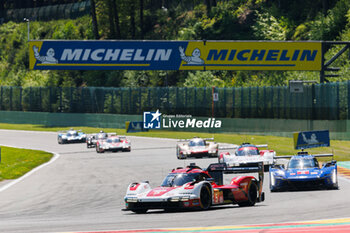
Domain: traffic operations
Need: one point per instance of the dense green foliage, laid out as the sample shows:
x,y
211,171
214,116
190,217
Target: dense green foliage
x,y
180,20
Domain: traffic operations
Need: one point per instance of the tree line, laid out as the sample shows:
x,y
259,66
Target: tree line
x,y
296,20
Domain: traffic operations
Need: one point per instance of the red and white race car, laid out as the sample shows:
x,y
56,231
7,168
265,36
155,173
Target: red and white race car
x,y
248,153
114,144
196,188
196,147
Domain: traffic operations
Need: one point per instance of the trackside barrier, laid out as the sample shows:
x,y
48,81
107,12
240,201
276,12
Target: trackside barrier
x,y
329,101
339,129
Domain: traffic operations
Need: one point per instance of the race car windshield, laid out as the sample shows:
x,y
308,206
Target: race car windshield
x,y
196,143
179,179
72,134
244,151
302,163
114,140
101,135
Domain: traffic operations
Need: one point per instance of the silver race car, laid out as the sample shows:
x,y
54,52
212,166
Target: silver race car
x,y
71,136
248,153
197,148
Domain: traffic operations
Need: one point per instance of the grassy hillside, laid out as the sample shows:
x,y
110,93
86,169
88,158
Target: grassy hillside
x,y
180,20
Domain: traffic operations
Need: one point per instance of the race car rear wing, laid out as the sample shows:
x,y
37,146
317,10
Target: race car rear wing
x,y
325,164
234,146
186,140
183,140
315,155
228,147
262,146
216,170
65,131
208,139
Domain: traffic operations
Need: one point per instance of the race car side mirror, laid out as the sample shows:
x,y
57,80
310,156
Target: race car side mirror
x,y
278,166
193,182
331,163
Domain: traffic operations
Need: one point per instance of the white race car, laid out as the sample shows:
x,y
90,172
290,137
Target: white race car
x,y
248,153
196,188
71,136
197,147
114,144
92,139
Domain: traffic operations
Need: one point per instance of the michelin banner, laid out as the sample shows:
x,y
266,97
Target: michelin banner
x,y
174,55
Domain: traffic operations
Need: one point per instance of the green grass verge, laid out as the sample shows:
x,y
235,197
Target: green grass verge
x,y
282,145
16,162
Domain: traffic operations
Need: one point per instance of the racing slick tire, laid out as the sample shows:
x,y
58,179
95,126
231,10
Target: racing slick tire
x,y
252,195
99,150
60,141
205,198
273,190
178,152
334,185
139,211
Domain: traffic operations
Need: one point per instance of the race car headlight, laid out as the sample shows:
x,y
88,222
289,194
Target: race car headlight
x,y
131,199
174,199
273,181
334,177
234,164
186,198
279,173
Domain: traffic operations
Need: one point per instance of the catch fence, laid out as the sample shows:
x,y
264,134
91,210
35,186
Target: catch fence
x,y
50,12
330,101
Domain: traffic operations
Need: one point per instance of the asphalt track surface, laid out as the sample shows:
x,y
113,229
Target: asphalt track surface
x,y
83,191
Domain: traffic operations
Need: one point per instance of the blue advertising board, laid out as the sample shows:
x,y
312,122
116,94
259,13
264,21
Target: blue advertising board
x,y
134,127
174,55
311,139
